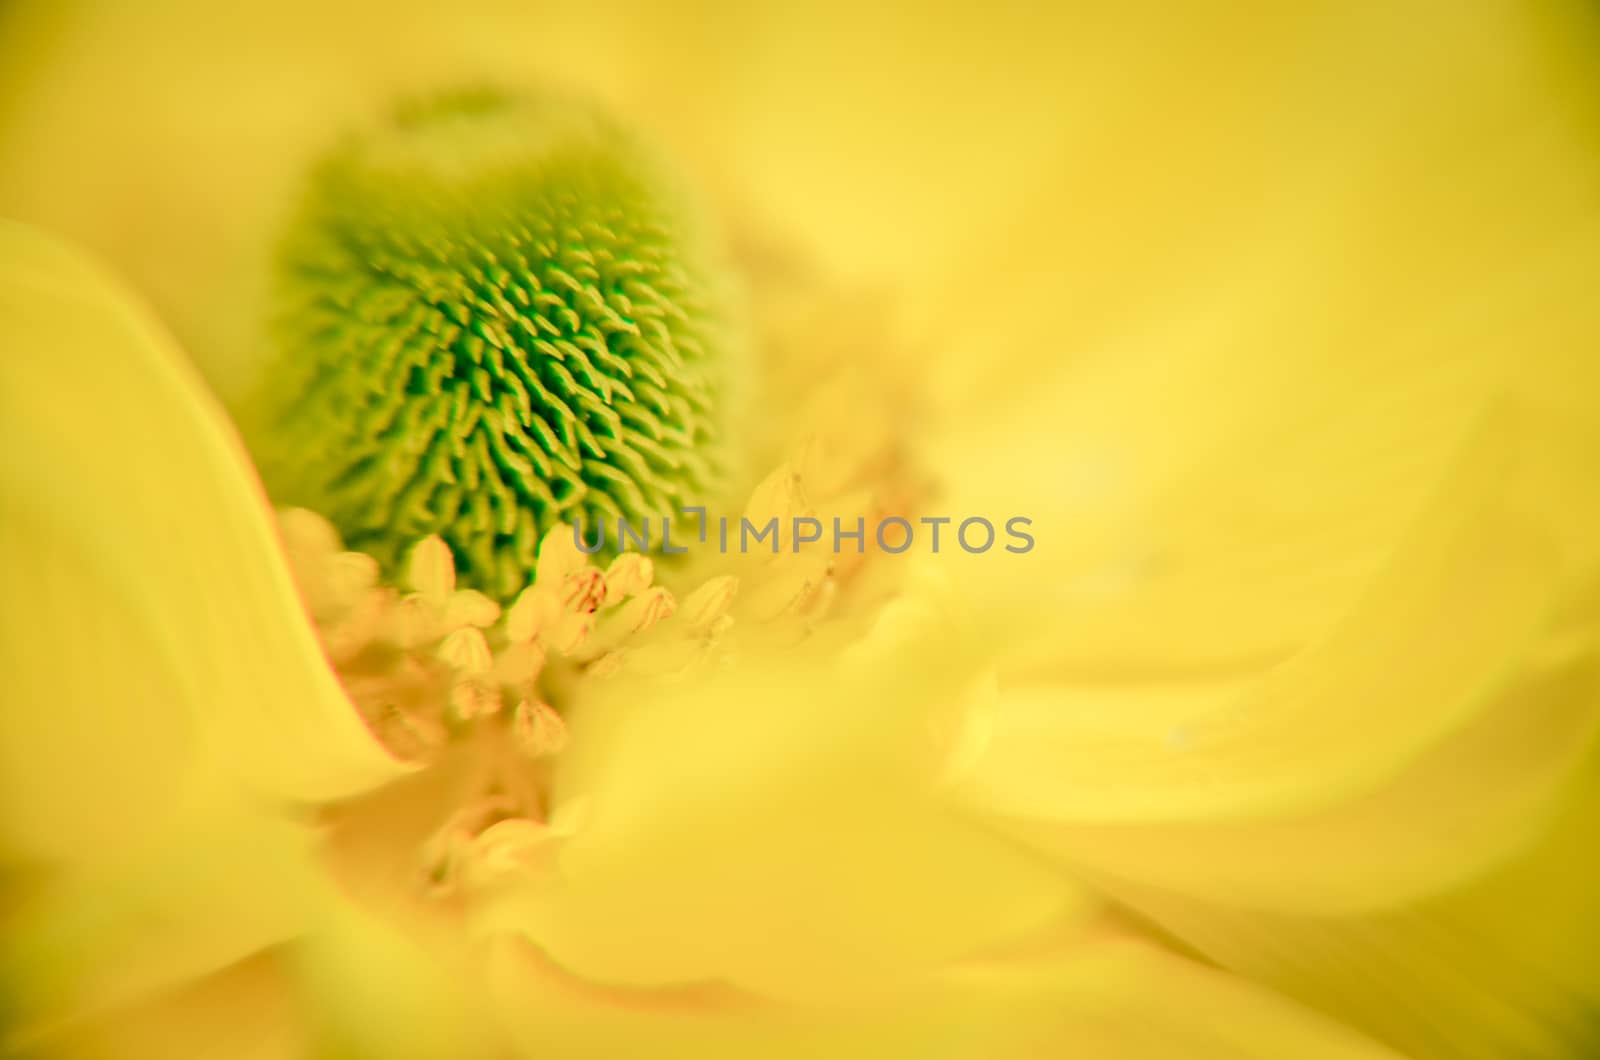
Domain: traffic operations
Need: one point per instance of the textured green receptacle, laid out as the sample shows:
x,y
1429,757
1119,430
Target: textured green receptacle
x,y
491,315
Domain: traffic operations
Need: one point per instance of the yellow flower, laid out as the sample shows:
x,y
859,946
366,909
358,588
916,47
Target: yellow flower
x,y
744,863
1279,742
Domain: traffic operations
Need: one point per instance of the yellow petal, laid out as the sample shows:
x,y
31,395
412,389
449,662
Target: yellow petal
x,y
1429,736
370,989
244,1013
147,584
786,821
1441,629
1092,998
1230,348
216,882
1274,185
1508,965
1122,996
1476,799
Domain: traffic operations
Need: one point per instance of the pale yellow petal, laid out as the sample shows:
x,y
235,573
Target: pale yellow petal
x,y
1297,178
1443,628
1107,995
218,882
776,828
245,1012
1506,966
1123,996
1300,608
1228,354
150,584
369,989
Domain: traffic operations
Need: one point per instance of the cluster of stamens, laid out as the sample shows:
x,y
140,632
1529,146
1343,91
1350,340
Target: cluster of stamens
x,y
424,663
435,668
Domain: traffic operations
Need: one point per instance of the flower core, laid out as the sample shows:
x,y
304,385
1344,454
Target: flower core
x,y
492,315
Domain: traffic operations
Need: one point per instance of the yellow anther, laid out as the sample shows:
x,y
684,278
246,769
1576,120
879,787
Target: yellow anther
x,y
351,575
645,610
538,729
607,665
790,587
431,571
534,611
412,623
473,697
307,533
559,556
519,664
514,846
583,591
467,652
445,853
709,602
358,625
569,632
628,575
664,658
780,495
468,607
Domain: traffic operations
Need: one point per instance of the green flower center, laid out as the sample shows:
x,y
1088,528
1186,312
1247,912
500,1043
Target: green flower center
x,y
492,315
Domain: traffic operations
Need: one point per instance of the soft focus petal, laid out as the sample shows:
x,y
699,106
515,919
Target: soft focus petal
x,y
1227,356
1100,994
1312,665
784,818
1091,998
1327,508
1314,179
366,988
1446,622
1506,966
160,596
218,882
1424,738
243,1013
162,681
1479,796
